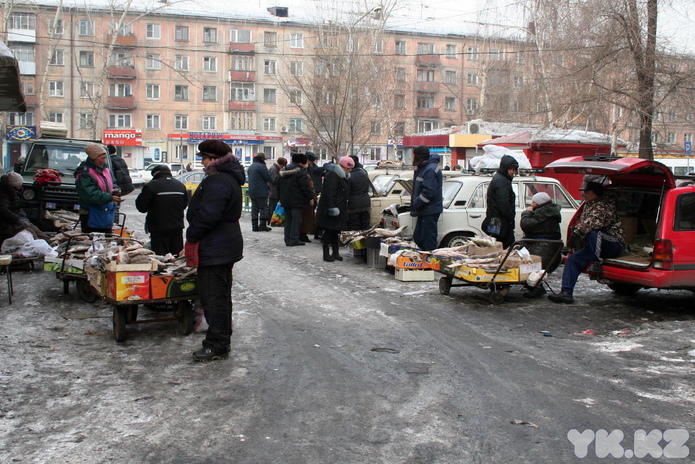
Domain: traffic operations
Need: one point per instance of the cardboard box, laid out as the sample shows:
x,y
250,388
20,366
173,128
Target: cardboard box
x,y
407,263
111,266
97,280
162,287
127,286
72,266
525,268
355,252
414,275
476,250
629,226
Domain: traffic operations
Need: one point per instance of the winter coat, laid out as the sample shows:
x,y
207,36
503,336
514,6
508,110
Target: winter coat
x,y
274,172
359,190
214,212
293,187
543,223
91,191
501,199
12,216
164,199
258,179
601,213
335,194
317,172
426,199
121,174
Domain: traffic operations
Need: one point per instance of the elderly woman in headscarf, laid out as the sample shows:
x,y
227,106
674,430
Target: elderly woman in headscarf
x,y
97,190
332,214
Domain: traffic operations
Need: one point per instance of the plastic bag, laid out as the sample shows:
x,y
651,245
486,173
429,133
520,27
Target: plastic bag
x,y
37,248
201,324
16,242
495,226
278,217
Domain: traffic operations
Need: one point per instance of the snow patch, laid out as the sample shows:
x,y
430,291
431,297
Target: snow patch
x,y
617,346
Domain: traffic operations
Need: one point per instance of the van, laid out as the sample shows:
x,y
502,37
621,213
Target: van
x,y
657,217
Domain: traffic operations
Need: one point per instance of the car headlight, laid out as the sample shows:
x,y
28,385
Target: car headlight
x,y
29,194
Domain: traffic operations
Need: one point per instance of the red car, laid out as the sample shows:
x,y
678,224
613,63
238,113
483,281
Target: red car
x,y
658,219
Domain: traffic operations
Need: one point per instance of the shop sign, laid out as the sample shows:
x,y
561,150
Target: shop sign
x,y
395,142
21,133
123,137
298,142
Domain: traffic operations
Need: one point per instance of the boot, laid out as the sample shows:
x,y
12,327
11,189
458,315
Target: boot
x,y
326,254
304,238
264,226
336,246
254,225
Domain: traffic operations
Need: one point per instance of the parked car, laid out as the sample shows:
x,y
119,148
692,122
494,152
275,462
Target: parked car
x,y
136,177
657,217
176,169
191,180
464,205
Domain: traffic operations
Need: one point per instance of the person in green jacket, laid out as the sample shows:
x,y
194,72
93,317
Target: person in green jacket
x,y
97,190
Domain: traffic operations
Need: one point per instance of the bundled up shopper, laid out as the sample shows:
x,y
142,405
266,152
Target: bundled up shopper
x,y
295,195
274,172
601,234
97,191
359,203
259,177
332,214
164,199
426,202
501,201
120,171
13,219
317,172
308,214
213,217
542,220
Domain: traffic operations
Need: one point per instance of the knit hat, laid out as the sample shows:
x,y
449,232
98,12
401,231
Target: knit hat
x,y
94,150
213,149
540,198
420,154
111,149
346,162
311,156
595,187
161,168
14,179
299,158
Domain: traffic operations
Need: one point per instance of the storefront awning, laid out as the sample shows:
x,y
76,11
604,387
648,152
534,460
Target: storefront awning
x,y
11,97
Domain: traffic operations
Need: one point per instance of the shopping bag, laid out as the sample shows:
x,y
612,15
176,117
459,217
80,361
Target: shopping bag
x,y
278,217
101,216
191,252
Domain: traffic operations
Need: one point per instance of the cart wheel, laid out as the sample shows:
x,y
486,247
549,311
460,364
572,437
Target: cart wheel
x,y
497,296
445,285
86,291
119,323
184,316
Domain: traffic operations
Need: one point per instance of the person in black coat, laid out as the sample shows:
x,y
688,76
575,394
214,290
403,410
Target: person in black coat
x,y
331,214
359,203
164,199
295,194
259,177
213,217
501,202
13,219
120,171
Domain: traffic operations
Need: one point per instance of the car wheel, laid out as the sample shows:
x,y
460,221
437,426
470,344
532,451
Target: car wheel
x,y
624,289
455,239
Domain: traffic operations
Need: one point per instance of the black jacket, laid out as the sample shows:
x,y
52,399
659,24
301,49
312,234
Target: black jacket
x,y
11,213
359,190
258,179
293,187
336,191
501,199
121,174
214,212
317,172
543,223
164,199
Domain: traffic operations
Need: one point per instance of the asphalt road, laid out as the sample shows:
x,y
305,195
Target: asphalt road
x,y
340,363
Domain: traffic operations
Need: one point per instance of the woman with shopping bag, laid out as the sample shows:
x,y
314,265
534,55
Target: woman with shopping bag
x,y
97,190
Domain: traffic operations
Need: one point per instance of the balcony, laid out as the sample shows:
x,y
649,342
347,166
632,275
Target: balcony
x,y
120,103
240,105
430,87
243,76
21,35
242,48
428,60
31,100
427,112
125,41
122,72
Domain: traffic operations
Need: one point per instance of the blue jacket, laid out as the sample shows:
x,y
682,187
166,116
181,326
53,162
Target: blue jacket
x,y
258,179
426,199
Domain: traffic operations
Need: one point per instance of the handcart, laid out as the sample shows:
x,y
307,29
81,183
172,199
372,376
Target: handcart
x,y
498,282
126,312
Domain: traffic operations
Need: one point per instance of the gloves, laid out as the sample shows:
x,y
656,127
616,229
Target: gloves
x,y
333,212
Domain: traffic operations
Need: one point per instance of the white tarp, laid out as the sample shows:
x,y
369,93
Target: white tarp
x,y
492,154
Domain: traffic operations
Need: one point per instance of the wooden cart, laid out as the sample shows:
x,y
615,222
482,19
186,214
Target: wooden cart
x,y
126,313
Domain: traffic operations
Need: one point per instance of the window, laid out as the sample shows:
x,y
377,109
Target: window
x,y
153,31
518,82
296,97
242,91
120,90
496,54
425,75
121,58
86,27
425,101
399,102
451,51
120,120
472,79
269,124
85,120
181,122
209,123
180,152
400,74
471,104
269,96
242,120
181,63
57,57
399,129
688,138
23,52
240,36
379,46
181,92
55,88
375,128
328,98
153,61
86,59
450,77
296,125
55,27
152,121
671,137
209,63
27,84
181,33
375,101
270,39
520,58
685,212
86,89
125,29
21,119
296,68
400,47
269,152
269,66
22,21
210,34
425,125
689,117
425,48
209,93
296,40
55,117
243,63
450,104
473,53
152,91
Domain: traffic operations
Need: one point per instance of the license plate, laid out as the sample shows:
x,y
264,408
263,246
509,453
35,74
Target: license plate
x,y
51,206
76,208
